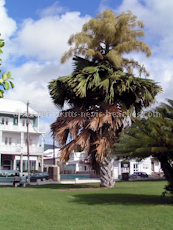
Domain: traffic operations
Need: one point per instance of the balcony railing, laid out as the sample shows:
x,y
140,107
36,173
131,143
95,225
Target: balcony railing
x,y
18,128
78,158
18,149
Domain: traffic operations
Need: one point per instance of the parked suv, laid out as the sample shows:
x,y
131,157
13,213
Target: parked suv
x,y
138,175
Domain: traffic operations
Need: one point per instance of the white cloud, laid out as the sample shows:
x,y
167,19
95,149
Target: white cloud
x,y
47,37
52,10
31,82
44,126
8,25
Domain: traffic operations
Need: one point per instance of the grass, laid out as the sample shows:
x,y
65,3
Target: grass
x,y
129,205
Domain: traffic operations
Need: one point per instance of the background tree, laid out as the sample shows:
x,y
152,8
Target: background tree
x,y
151,136
99,88
5,80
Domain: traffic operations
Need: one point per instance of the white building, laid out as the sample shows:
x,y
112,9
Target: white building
x,y
147,165
78,159
13,137
77,163
51,156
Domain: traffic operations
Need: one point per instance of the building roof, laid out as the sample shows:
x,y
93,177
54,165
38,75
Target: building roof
x,y
15,107
49,153
48,146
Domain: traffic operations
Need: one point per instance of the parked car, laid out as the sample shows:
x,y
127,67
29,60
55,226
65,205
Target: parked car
x,y
12,176
39,175
138,175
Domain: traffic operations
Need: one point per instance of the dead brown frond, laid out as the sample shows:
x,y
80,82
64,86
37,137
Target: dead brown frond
x,y
94,131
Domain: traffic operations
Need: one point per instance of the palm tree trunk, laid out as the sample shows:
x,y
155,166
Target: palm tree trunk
x,y
168,171
106,173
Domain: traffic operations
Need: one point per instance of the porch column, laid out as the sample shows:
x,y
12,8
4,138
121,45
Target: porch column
x,y
14,164
0,146
42,148
42,162
21,163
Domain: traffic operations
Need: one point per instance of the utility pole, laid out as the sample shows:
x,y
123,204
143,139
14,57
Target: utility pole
x,y
28,142
53,150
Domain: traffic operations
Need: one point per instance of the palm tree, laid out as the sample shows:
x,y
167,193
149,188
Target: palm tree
x,y
97,95
5,81
99,91
151,137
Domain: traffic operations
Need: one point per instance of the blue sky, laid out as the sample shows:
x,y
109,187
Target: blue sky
x,y
36,34
20,10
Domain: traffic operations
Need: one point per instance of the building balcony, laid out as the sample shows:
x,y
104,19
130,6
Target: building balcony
x,y
14,150
79,159
18,128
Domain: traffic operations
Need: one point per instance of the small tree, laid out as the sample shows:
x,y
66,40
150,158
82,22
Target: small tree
x,y
152,136
99,90
5,80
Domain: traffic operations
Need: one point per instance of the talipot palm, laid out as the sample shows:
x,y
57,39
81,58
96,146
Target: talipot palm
x,y
99,91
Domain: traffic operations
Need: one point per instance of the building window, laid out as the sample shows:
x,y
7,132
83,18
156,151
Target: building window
x,y
135,167
6,165
5,121
15,121
30,142
18,165
24,122
8,140
32,165
25,165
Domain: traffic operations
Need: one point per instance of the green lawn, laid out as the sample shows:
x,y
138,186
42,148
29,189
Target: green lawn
x,y
129,205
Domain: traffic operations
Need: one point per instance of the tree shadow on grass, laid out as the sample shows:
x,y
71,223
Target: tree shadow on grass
x,y
116,199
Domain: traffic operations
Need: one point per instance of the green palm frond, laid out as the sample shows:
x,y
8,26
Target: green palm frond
x,y
103,83
150,136
80,63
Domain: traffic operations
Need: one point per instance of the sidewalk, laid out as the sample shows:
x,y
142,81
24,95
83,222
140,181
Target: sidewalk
x,y
76,181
